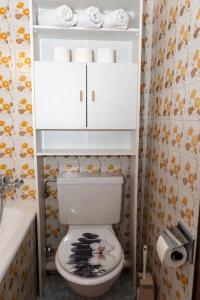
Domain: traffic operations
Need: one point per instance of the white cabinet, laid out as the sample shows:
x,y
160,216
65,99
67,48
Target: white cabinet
x,y
69,97
60,95
112,96
82,109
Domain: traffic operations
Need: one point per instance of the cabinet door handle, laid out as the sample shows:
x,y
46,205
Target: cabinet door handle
x,y
81,96
93,96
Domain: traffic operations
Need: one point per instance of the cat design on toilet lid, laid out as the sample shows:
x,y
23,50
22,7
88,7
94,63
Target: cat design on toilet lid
x,y
91,256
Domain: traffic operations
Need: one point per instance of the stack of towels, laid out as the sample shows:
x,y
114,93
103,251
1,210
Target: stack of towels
x,y
92,17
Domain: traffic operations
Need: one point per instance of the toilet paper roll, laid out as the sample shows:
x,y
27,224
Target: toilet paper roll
x,y
61,54
171,257
83,55
105,55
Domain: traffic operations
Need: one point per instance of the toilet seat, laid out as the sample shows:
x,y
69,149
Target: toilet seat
x,y
89,255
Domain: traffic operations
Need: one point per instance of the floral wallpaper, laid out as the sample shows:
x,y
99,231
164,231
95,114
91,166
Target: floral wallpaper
x,y
20,281
16,141
169,166
169,171
113,165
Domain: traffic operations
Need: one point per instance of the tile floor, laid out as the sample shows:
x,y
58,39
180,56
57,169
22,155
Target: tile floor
x,y
56,289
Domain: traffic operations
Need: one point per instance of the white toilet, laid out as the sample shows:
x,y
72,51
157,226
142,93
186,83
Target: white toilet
x,y
90,256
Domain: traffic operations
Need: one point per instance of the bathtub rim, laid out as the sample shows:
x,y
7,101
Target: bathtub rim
x,y
29,208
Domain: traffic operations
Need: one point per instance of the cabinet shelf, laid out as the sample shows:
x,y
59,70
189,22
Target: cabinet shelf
x,y
80,4
85,34
86,152
64,143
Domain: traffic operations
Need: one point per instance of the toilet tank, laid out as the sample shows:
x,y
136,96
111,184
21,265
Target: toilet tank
x,y
90,200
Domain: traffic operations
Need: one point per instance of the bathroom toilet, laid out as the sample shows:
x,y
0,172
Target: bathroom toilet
x,y
90,256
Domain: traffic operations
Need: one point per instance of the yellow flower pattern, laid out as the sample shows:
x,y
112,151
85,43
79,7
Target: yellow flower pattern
x,y
20,280
22,36
5,57
169,172
22,10
16,144
168,186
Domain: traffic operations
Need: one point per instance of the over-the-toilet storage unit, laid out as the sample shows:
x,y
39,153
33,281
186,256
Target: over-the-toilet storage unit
x,y
96,107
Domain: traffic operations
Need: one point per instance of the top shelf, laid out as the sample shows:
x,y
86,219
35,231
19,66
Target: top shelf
x,y
85,33
128,5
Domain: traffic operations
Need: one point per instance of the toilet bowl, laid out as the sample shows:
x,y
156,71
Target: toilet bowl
x,y
90,259
90,256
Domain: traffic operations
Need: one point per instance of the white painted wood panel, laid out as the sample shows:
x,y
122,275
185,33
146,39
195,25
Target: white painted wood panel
x,y
89,142
107,34
112,96
80,4
41,222
60,95
81,152
123,49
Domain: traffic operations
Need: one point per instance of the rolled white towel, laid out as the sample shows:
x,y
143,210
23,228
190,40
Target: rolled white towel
x,y
118,18
62,16
90,18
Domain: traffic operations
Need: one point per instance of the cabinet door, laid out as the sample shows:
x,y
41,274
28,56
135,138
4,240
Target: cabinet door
x,y
112,96
60,95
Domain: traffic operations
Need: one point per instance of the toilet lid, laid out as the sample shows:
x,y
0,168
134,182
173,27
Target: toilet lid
x,y
89,252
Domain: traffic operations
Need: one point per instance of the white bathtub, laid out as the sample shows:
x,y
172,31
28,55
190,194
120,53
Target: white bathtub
x,y
17,218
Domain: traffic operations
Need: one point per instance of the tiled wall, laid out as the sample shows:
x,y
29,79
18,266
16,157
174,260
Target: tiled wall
x,y
20,281
88,165
169,188
16,142
170,124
